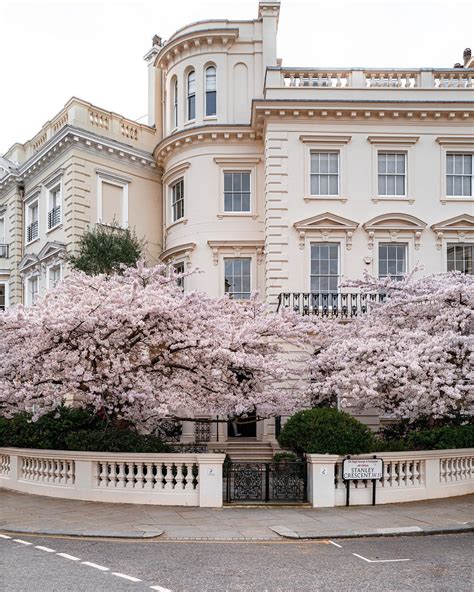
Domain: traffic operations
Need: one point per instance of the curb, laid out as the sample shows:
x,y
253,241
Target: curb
x,y
104,534
287,533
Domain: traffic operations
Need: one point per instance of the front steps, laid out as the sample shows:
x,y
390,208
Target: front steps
x,y
245,449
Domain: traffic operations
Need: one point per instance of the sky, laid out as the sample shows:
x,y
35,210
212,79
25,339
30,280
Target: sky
x,y
51,50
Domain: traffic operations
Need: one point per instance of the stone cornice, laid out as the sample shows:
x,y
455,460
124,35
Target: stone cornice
x,y
456,140
179,250
207,133
405,140
70,137
324,139
194,40
360,110
236,247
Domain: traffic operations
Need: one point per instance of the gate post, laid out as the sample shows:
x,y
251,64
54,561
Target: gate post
x,y
321,486
210,480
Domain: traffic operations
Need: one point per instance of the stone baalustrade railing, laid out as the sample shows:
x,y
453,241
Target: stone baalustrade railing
x,y
328,304
407,476
449,78
80,114
161,479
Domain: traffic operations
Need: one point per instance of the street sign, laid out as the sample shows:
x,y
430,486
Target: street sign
x,y
363,468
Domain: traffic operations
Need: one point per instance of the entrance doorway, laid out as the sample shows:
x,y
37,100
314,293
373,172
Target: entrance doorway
x,y
243,427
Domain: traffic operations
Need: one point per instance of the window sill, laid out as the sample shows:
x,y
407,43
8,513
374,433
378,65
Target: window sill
x,y
54,228
252,215
382,198
461,198
190,122
173,224
32,241
340,198
210,118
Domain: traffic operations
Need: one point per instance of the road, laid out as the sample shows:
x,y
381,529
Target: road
x,y
40,564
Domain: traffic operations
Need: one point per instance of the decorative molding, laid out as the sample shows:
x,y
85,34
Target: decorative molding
x,y
455,140
108,176
207,133
175,170
324,139
394,225
326,224
461,227
235,247
237,160
399,140
185,250
193,41
33,263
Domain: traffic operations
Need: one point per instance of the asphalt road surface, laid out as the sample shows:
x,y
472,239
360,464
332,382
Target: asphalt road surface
x,y
40,564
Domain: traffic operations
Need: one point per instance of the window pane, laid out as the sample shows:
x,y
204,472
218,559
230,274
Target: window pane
x,y
191,83
333,163
314,185
450,185
390,185
211,103
227,181
382,163
450,164
457,185
237,182
211,78
314,162
382,185
400,163
246,181
246,202
458,164
391,163
400,185
466,185
333,189
468,164
324,185
324,162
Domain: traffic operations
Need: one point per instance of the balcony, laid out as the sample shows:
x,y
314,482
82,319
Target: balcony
x,y
4,251
328,304
54,217
32,232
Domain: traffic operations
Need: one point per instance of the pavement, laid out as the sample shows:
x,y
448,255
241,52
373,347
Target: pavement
x,y
24,513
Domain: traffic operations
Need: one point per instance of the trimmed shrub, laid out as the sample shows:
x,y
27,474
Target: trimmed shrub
x,y
74,429
281,457
324,430
427,438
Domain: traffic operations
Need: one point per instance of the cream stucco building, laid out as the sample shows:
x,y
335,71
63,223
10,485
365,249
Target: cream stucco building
x,y
266,177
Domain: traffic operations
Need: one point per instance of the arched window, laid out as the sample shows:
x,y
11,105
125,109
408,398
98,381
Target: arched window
x,y
175,103
211,91
192,95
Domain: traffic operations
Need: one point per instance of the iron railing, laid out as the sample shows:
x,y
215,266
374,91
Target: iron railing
x,y
4,251
54,217
328,304
32,232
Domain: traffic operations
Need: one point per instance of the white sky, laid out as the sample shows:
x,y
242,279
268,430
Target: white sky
x,y
51,50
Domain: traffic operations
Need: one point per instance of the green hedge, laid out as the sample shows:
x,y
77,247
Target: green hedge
x,y
74,429
437,438
325,431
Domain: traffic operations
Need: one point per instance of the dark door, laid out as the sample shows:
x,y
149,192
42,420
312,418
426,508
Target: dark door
x,y
243,427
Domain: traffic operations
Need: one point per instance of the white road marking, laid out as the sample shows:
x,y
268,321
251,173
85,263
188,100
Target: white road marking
x,y
335,544
4,536
379,560
22,542
47,549
125,577
159,588
90,564
66,556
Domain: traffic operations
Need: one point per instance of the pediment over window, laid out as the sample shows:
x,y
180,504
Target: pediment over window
x,y
324,225
179,251
393,226
460,227
51,249
28,263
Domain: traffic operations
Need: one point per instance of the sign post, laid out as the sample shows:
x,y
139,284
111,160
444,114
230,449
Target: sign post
x,y
362,469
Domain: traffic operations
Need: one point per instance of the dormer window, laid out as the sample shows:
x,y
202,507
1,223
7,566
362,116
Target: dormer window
x,y
211,91
191,83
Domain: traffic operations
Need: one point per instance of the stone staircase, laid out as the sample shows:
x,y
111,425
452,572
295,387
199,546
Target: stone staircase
x,y
245,449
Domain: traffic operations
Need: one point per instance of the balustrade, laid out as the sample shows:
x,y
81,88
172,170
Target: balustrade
x,y
328,304
4,465
456,469
53,471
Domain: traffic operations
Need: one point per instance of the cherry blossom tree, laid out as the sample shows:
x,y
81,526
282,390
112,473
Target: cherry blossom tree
x,y
137,347
410,356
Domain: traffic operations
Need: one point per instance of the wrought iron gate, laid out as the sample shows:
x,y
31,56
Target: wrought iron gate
x,y
265,482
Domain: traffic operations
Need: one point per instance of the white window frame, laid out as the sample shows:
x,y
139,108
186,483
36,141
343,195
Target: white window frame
x,y
6,285
50,188
405,239
49,273
453,145
28,207
237,172
388,244
236,164
189,95
339,258
234,257
172,189
463,153
206,68
170,177
313,143
111,179
404,175
29,300
3,223
175,106
456,244
394,144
